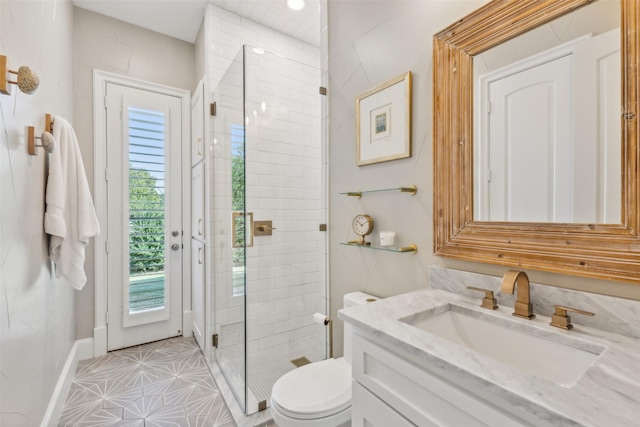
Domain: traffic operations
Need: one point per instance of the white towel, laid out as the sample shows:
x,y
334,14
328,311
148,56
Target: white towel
x,y
70,218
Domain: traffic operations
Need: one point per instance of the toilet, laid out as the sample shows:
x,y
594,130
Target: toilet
x,y
318,394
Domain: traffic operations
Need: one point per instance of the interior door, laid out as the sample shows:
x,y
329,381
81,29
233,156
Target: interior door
x,y
531,143
551,148
144,179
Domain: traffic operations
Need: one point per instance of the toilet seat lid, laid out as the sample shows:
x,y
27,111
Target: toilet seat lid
x,y
315,390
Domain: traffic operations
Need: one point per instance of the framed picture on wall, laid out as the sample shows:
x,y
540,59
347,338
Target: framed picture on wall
x,y
383,122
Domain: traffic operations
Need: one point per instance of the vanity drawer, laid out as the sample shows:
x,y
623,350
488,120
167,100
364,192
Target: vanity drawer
x,y
369,411
420,396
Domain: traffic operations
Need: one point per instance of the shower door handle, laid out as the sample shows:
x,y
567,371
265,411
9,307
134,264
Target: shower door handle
x,y
242,229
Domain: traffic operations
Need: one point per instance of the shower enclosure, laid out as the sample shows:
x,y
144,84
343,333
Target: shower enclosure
x,y
268,254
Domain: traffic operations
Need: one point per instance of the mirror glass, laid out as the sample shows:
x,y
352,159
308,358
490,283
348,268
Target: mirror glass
x,y
547,130
605,250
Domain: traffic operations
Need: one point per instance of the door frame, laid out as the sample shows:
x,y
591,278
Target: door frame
x,y
100,81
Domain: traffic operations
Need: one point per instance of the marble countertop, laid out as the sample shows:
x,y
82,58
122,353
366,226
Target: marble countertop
x,y
607,394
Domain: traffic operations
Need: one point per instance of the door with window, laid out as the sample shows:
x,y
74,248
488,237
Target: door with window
x,y
145,239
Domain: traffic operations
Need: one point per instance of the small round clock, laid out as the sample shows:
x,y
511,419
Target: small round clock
x,y
363,225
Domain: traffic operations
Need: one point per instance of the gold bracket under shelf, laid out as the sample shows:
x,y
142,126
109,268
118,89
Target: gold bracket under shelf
x,y
412,190
405,249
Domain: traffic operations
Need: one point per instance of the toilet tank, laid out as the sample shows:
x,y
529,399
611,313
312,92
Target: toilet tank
x,y
349,300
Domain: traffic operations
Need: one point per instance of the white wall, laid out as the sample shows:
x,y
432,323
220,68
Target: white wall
x,y
111,45
38,326
371,42
36,311
200,54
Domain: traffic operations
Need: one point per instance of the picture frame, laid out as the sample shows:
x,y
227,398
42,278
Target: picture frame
x,y
383,122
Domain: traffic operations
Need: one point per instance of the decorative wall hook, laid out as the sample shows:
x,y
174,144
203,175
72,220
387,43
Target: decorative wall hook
x,y
48,141
27,79
48,123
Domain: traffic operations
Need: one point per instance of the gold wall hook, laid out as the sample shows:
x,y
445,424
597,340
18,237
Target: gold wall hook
x,y
48,123
27,79
48,142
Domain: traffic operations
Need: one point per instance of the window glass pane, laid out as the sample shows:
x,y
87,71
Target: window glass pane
x,y
238,203
146,210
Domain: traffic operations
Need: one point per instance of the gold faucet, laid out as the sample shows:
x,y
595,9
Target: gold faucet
x,y
489,301
561,319
523,306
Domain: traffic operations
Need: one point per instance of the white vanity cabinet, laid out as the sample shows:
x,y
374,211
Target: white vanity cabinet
x,y
390,390
371,411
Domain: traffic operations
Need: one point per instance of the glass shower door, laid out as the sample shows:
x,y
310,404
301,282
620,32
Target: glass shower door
x,y
270,279
285,266
228,230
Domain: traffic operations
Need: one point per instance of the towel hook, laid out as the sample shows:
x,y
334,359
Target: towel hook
x,y
48,123
48,141
28,81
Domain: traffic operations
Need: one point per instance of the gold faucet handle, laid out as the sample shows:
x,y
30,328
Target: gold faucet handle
x,y
489,301
560,319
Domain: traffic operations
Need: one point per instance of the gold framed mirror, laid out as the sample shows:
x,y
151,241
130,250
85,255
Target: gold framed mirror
x,y
604,251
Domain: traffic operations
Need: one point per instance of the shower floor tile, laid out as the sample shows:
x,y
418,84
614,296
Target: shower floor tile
x,y
265,366
165,383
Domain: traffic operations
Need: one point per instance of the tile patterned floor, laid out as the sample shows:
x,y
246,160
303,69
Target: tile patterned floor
x,y
161,384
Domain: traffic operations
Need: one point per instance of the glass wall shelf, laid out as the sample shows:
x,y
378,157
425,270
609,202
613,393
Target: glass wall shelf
x,y
405,249
410,190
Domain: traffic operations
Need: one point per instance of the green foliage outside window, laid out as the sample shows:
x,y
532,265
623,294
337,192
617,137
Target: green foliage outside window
x,y
146,223
238,191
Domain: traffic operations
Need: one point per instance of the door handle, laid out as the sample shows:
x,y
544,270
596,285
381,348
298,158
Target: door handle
x,y
242,229
175,247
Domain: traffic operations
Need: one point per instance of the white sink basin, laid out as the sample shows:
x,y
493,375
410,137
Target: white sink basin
x,y
554,357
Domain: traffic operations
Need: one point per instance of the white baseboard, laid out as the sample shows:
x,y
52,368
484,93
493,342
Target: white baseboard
x,y
187,319
81,350
85,349
99,341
